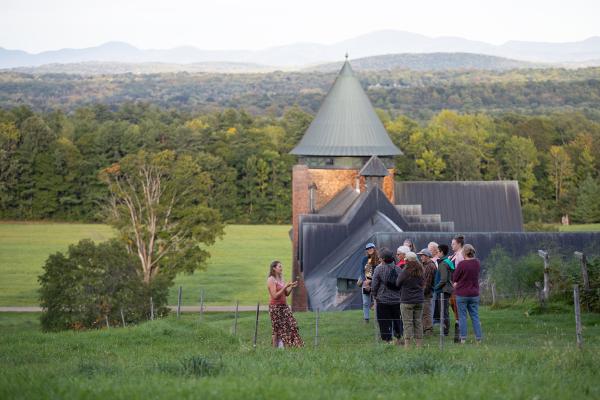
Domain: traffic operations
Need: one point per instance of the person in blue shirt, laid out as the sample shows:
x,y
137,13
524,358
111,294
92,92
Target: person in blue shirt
x,y
367,266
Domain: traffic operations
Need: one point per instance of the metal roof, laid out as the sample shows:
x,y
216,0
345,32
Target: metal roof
x,y
474,206
346,124
374,167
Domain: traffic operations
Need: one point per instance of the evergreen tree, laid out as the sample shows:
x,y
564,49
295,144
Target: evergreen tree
x,y
587,209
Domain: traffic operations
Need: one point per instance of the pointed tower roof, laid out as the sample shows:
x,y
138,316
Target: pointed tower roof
x,y
346,124
374,167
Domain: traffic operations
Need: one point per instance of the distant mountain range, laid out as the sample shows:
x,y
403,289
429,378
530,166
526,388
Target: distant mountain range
x,y
430,62
301,55
112,68
416,62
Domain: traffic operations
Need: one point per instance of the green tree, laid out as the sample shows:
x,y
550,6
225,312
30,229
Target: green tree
x,y
159,204
587,209
560,171
520,158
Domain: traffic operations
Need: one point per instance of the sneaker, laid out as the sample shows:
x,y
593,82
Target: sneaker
x,y
463,341
366,321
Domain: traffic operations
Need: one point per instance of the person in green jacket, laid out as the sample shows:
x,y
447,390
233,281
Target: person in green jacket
x,y
443,284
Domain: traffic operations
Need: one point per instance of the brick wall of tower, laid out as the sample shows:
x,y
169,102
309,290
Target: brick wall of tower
x,y
329,182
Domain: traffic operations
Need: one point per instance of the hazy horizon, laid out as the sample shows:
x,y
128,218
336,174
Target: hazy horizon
x,y
31,25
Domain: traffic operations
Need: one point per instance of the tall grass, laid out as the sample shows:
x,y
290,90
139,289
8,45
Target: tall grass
x,y
522,357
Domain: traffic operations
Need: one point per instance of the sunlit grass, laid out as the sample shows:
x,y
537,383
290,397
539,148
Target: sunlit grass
x,y
237,269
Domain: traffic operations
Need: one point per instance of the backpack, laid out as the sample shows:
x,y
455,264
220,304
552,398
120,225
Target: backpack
x,y
390,282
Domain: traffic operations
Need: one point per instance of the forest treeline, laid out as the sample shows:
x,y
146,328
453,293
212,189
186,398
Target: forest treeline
x,y
50,162
416,94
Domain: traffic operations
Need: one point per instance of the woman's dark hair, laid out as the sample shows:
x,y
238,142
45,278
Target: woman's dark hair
x,y
374,259
443,248
387,256
272,267
414,268
460,239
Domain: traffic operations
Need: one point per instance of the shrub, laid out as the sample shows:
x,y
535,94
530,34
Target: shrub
x,y
91,283
514,277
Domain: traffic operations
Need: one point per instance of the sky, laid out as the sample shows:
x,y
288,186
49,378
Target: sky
x,y
37,25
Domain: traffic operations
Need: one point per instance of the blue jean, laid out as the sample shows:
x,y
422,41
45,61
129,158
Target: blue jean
x,y
470,305
366,300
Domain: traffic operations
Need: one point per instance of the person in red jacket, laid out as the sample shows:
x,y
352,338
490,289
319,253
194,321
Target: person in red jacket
x,y
466,287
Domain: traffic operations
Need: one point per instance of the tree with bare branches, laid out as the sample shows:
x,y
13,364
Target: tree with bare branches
x,y
159,205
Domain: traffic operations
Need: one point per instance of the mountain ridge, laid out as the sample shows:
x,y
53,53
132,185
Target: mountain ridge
x,y
302,54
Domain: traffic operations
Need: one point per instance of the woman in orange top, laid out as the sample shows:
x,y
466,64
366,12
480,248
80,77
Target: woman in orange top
x,y
285,327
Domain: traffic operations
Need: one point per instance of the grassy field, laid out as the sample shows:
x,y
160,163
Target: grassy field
x,y
523,357
579,228
237,269
24,247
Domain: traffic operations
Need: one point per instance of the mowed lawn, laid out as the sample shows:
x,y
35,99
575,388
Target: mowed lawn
x,y
522,357
24,247
237,269
579,228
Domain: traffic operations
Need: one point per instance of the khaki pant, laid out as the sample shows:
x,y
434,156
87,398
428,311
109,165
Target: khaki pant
x,y
427,316
411,319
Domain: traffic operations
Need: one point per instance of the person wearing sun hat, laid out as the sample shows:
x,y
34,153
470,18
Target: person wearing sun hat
x,y
367,267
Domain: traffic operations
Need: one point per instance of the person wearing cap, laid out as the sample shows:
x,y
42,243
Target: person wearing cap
x,y
387,297
429,269
401,255
367,267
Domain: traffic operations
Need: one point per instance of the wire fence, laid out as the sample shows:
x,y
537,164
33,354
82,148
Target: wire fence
x,y
335,328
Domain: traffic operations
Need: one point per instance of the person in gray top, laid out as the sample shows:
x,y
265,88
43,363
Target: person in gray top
x,y
411,302
387,297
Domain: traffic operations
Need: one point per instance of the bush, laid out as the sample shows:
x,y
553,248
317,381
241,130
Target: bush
x,y
591,298
536,226
514,277
95,282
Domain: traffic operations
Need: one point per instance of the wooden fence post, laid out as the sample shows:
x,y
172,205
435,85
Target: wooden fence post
x,y
546,291
317,329
585,278
201,304
577,316
256,325
151,309
375,321
540,294
493,286
123,317
237,306
106,319
442,321
179,301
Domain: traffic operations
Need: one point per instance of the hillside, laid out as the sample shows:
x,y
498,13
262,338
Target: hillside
x,y
116,68
418,94
430,62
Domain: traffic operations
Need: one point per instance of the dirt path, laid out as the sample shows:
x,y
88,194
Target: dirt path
x,y
186,309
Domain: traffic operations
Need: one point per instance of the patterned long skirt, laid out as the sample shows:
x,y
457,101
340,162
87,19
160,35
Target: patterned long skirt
x,y
285,327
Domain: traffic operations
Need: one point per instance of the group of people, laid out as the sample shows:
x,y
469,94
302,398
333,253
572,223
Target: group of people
x,y
412,290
